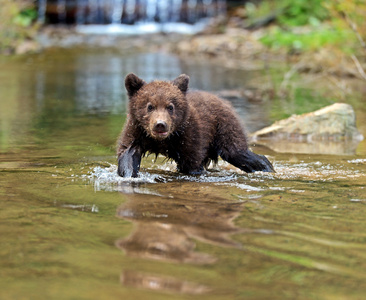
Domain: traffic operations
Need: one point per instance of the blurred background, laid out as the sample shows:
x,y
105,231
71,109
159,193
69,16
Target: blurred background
x,y
286,57
292,25
315,36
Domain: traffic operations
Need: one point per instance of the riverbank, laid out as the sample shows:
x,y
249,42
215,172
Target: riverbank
x,y
236,47
69,37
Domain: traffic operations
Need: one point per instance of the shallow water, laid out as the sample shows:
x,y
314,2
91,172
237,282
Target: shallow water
x,y
72,229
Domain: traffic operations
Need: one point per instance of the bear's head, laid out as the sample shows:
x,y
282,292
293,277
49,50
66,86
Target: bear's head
x,y
159,107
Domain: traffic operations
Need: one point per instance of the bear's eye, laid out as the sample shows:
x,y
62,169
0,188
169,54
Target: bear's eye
x,y
170,108
150,107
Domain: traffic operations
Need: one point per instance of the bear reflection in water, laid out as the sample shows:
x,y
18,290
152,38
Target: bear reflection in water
x,y
165,227
165,230
191,128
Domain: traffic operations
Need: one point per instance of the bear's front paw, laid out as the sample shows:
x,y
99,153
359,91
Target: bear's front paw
x,y
126,172
129,163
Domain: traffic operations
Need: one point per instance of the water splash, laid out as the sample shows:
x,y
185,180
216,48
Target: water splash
x,y
61,10
357,161
143,28
108,175
42,6
106,178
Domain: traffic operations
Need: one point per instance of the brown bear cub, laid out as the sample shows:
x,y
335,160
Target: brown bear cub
x,y
191,128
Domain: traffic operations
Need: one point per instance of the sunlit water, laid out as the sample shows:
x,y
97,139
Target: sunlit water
x,y
72,229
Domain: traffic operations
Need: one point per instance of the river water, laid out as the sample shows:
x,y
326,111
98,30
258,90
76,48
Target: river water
x,y
72,229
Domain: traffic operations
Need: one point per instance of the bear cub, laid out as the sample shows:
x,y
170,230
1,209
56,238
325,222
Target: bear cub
x,y
192,128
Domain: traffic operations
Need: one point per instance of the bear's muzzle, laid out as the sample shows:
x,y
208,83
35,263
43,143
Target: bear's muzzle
x,y
160,129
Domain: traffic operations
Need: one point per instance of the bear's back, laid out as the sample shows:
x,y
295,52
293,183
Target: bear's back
x,y
209,106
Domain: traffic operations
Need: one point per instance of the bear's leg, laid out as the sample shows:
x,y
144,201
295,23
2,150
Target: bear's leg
x,y
129,162
190,166
190,171
248,161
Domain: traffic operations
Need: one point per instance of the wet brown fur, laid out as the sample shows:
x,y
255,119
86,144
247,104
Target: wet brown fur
x,y
198,127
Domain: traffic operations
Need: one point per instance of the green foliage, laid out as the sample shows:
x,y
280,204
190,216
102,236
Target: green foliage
x,y
305,25
303,12
349,14
290,12
309,38
254,12
25,17
17,19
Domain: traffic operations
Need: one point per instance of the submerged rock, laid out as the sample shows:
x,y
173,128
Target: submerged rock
x,y
330,130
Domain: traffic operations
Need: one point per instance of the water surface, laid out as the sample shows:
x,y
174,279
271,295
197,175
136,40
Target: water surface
x,y
72,229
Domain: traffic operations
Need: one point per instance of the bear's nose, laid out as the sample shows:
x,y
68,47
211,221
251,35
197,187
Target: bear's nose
x,y
160,126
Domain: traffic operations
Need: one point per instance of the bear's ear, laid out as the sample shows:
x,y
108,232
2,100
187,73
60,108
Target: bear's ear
x,y
133,84
181,82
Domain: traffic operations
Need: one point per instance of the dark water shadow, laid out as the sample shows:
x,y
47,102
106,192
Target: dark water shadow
x,y
166,227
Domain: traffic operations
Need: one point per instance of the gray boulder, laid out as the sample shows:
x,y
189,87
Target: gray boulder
x,y
331,130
